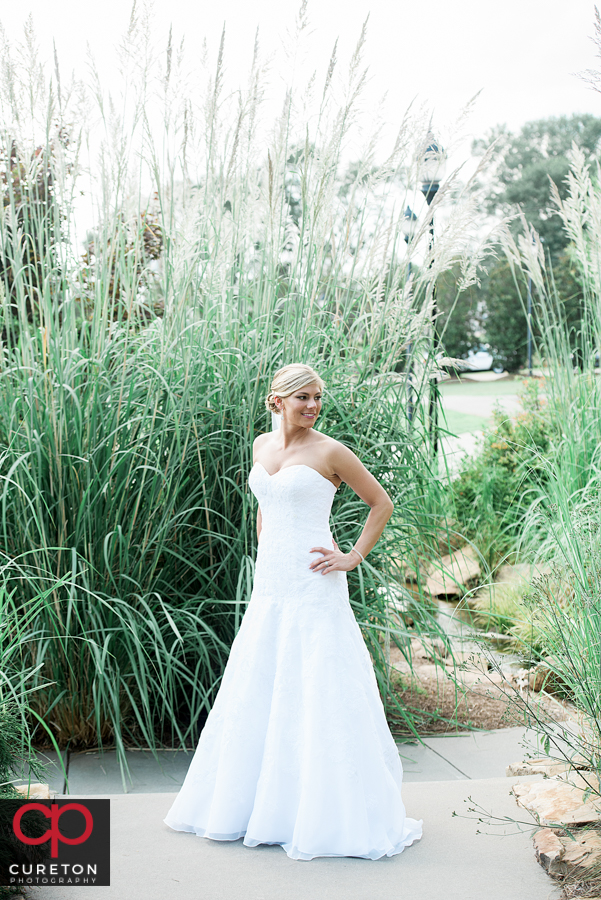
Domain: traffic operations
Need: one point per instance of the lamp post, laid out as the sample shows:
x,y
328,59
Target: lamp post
x,y
431,174
408,226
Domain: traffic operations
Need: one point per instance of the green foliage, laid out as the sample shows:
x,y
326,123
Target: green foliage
x,y
561,526
32,227
528,163
11,735
564,613
504,319
503,313
493,491
18,635
17,761
500,607
133,293
126,439
458,314
525,163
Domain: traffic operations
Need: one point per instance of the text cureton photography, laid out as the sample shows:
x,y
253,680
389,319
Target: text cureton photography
x,y
54,842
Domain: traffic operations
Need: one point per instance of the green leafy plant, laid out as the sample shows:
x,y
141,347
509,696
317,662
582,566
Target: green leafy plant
x,y
494,488
132,390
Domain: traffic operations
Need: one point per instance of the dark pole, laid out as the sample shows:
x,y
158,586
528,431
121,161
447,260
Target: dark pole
x,y
429,190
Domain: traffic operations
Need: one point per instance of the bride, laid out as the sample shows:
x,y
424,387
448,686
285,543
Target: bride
x,y
296,749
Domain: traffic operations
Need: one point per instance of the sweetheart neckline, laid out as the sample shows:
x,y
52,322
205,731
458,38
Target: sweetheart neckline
x,y
295,466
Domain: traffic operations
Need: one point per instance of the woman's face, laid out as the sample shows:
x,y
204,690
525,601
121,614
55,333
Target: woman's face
x,y
303,406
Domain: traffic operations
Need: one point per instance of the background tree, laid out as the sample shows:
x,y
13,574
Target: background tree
x,y
457,315
131,290
525,163
503,317
31,228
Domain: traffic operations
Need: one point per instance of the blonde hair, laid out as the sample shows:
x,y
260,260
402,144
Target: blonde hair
x,y
289,379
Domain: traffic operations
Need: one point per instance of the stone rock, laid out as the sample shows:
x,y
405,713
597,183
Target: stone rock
x,y
541,677
582,854
398,661
564,855
451,576
519,574
583,780
477,678
428,648
549,850
497,636
415,573
532,679
541,766
449,537
34,791
420,650
428,670
559,802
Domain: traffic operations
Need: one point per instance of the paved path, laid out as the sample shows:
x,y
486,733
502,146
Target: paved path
x,y
467,756
457,859
451,862
466,409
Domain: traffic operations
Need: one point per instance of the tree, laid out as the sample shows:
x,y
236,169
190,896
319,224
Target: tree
x,y
503,315
525,163
30,230
503,318
131,291
457,322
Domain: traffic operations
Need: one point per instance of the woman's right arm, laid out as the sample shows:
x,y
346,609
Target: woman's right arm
x,y
259,523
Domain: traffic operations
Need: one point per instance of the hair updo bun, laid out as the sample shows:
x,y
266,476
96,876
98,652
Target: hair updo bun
x,y
288,380
270,402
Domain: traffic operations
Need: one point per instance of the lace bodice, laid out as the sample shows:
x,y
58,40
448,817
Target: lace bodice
x,y
295,514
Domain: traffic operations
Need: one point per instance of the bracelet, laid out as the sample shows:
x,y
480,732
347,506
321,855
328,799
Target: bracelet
x,y
358,553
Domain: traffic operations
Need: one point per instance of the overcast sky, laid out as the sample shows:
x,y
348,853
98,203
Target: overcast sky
x,y
522,54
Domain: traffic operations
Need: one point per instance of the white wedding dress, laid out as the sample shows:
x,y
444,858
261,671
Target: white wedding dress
x,y
296,749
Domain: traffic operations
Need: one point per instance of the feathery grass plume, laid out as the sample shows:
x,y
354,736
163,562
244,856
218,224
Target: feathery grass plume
x,y
132,378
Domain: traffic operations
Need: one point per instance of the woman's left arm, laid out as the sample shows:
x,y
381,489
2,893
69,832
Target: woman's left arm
x,y
351,470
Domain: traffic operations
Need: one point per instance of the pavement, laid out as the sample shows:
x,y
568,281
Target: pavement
x,y
455,783
454,757
467,407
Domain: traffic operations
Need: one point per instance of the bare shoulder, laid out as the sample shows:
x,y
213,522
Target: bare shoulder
x,y
260,442
339,454
349,468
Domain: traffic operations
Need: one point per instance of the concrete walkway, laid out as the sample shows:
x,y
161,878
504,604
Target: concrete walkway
x,y
451,862
461,757
459,858
466,409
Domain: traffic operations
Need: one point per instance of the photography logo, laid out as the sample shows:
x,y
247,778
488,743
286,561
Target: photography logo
x,y
61,842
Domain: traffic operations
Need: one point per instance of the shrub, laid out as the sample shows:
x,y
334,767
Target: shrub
x,y
494,488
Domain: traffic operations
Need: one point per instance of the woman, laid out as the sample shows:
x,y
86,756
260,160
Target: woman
x,y
296,749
